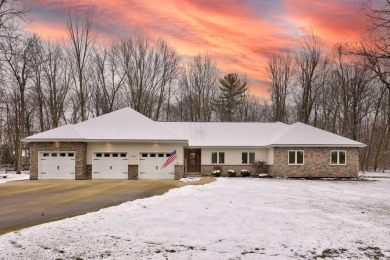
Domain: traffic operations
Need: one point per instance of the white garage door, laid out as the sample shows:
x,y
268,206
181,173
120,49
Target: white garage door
x,y
109,166
56,165
150,166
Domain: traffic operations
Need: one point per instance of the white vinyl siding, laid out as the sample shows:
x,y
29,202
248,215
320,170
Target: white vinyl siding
x,y
133,150
270,159
338,157
233,156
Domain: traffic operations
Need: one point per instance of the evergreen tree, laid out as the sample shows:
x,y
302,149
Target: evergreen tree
x,y
232,91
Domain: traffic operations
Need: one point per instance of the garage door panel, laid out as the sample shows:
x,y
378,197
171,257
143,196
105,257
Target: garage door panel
x,y
109,166
57,165
150,167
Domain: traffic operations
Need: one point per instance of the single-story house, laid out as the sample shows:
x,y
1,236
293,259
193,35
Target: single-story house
x,y
127,145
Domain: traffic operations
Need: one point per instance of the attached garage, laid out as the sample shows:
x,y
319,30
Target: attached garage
x,y
150,166
110,165
57,165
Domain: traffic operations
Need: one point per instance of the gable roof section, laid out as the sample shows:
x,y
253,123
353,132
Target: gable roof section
x,y
227,134
122,125
62,133
300,134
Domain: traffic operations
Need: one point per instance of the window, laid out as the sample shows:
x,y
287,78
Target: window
x,y
62,154
295,157
54,155
247,158
144,155
218,157
338,157
160,155
106,155
98,155
45,154
70,154
123,155
152,155
114,155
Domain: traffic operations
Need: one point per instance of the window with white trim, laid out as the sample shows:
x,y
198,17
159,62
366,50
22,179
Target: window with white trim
x,y
338,157
296,157
218,158
247,158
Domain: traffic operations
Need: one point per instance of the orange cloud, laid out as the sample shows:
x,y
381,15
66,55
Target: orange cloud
x,y
240,35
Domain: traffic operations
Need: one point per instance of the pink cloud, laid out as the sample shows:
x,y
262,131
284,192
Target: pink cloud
x,y
240,35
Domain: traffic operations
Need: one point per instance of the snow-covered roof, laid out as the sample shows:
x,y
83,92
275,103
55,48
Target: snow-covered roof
x,y
122,125
62,133
300,134
128,125
222,134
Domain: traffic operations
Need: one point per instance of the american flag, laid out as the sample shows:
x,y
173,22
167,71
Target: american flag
x,y
170,159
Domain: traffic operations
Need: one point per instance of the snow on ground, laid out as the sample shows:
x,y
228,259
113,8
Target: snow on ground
x,y
379,174
12,176
233,218
190,179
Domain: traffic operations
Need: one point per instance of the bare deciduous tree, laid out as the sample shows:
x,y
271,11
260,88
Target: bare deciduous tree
x,y
280,71
311,66
10,13
79,52
17,52
198,86
108,80
150,73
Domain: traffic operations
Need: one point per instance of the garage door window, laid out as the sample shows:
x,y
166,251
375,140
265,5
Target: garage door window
x,y
123,155
106,155
144,155
160,155
152,155
62,154
70,154
45,154
98,155
54,155
114,155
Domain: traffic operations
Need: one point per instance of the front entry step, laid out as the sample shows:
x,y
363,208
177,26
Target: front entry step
x,y
193,174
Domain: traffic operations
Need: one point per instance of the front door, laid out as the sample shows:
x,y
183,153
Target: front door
x,y
193,160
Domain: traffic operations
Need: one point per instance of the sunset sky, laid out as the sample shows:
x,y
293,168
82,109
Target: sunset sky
x,y
238,34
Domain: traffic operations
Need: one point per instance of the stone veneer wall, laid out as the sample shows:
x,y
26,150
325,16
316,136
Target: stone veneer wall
x,y
133,172
80,150
89,172
316,163
179,171
207,170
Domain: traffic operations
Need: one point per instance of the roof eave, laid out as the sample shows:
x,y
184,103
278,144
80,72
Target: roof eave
x,y
227,146
41,140
319,145
38,140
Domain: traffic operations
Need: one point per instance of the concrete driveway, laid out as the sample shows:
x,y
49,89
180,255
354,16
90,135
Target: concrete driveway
x,y
27,203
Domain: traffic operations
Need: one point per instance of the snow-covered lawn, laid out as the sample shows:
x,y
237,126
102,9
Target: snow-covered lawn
x,y
12,176
227,219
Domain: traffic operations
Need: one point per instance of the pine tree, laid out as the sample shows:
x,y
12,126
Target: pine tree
x,y
232,91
